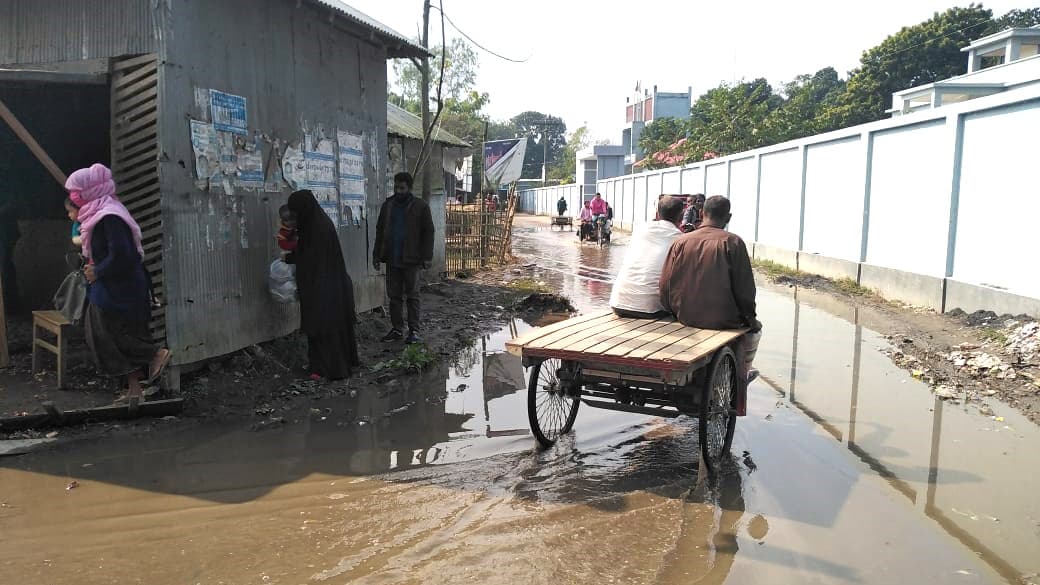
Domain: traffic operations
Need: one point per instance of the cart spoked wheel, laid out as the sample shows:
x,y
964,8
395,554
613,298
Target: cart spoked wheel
x,y
718,417
551,409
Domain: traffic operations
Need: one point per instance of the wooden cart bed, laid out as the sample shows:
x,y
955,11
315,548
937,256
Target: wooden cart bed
x,y
653,347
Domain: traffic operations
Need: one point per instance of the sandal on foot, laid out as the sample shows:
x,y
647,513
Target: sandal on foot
x,y
155,369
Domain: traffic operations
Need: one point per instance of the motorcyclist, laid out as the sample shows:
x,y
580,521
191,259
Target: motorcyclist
x,y
585,217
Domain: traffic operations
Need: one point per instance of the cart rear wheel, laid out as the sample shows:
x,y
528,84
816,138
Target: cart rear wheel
x,y
550,409
718,417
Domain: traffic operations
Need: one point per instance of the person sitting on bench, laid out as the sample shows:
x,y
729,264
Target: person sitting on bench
x,y
636,292
707,281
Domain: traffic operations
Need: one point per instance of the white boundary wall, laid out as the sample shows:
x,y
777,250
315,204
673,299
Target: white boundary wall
x,y
949,194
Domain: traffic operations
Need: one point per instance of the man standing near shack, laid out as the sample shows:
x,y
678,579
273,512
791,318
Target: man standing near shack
x,y
707,281
404,242
9,235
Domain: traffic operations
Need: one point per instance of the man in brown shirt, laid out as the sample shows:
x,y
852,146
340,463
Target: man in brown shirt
x,y
707,281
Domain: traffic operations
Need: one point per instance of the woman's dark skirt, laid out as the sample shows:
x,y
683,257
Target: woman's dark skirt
x,y
119,345
332,355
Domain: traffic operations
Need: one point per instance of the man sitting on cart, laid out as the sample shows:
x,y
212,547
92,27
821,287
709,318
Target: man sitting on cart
x,y
707,281
637,293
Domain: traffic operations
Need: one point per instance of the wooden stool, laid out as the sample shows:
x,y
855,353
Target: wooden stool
x,y
56,323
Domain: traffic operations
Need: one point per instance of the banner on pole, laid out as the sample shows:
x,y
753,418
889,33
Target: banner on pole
x,y
504,160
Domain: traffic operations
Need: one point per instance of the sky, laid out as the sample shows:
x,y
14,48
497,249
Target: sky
x,y
584,57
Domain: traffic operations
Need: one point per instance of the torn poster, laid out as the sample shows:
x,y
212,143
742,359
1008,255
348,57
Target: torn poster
x,y
273,173
228,161
294,168
205,145
321,177
228,112
250,163
351,178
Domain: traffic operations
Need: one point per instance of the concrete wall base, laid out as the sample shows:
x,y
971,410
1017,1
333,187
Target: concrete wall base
x,y
826,266
972,297
774,254
896,285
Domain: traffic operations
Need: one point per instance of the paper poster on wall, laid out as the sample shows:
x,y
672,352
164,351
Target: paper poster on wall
x,y
250,163
321,177
228,112
351,178
228,161
294,168
204,143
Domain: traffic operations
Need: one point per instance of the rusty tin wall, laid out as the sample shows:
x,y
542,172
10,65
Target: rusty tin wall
x,y
34,31
298,70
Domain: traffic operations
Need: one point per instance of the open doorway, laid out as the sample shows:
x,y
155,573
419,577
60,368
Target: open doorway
x,y
69,116
71,121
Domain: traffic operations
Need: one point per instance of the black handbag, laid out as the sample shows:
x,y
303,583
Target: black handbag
x,y
71,298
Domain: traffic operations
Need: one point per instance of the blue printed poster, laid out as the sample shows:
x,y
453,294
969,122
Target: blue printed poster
x,y
351,178
228,112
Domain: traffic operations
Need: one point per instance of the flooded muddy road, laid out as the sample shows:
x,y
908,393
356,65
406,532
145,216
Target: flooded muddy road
x,y
846,470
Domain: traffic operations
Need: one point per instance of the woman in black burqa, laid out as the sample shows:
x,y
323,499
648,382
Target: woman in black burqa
x,y
327,313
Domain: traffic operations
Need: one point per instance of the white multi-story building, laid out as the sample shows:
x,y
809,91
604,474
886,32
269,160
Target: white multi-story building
x,y
1006,60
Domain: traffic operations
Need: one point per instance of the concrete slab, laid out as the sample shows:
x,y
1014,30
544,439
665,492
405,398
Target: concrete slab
x,y
783,256
973,297
916,289
826,266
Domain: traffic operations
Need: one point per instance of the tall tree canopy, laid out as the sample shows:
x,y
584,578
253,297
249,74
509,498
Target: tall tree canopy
x,y
916,55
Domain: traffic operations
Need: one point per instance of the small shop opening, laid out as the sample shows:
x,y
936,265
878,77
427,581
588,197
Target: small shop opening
x,y
69,116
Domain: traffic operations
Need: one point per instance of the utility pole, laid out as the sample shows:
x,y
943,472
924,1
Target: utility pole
x,y
545,147
425,98
478,174
545,158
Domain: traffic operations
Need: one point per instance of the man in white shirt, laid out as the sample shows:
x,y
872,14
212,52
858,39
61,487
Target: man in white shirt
x,y
637,292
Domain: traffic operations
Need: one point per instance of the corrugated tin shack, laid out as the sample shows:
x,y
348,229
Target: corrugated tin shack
x,y
405,139
209,113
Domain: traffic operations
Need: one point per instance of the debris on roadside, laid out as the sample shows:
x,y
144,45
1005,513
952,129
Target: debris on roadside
x,y
72,485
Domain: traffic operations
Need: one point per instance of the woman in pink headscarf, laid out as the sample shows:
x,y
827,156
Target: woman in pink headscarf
x,y
117,316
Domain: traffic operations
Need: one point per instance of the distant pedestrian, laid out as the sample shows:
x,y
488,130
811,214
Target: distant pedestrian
x,y
327,312
561,206
119,290
404,242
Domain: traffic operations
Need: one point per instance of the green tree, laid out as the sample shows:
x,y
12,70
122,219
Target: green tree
x,y
460,73
539,128
916,55
731,118
562,171
662,133
806,99
1016,18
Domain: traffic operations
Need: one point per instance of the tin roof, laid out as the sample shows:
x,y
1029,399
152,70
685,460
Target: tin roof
x,y
401,122
397,44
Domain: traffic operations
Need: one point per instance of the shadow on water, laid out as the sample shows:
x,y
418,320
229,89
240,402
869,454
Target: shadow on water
x,y
895,426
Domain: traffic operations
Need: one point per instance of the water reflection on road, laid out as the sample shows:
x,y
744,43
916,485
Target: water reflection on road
x,y
845,471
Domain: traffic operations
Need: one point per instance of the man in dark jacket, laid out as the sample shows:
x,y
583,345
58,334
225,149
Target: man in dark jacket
x,y
404,242
707,281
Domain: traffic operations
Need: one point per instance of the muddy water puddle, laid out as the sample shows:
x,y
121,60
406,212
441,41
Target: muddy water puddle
x,y
845,471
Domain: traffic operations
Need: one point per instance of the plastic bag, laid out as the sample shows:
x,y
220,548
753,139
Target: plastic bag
x,y
282,281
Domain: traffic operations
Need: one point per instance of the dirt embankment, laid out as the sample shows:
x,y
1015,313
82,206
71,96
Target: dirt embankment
x,y
964,357
268,380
